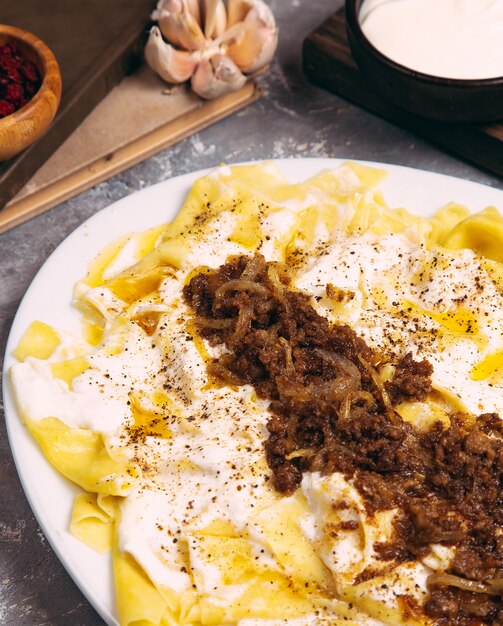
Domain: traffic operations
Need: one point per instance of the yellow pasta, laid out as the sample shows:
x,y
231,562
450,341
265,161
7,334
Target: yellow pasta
x,y
93,520
191,543
39,341
82,457
482,233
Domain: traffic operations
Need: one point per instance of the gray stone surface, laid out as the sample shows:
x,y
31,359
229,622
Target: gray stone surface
x,y
293,119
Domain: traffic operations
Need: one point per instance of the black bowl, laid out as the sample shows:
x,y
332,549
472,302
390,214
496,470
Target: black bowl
x,y
444,99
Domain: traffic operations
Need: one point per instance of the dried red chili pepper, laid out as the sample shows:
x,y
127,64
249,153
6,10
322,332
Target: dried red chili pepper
x,y
19,79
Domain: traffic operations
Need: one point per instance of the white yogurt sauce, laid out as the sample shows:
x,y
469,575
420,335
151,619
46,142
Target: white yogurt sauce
x,y
448,38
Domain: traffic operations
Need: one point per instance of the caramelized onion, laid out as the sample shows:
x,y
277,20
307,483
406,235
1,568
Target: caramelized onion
x,y
215,323
342,365
253,268
321,390
277,286
302,453
242,325
289,366
491,587
352,398
219,371
379,384
239,284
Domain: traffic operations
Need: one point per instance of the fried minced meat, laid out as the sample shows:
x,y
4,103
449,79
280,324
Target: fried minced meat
x,y
411,380
331,412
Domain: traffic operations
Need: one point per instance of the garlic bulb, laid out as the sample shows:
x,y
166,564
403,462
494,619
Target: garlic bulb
x,y
214,44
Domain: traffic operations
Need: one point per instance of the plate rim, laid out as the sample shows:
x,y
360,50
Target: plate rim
x,y
180,182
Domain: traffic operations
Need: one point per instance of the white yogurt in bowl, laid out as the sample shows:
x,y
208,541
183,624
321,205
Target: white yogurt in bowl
x,y
460,39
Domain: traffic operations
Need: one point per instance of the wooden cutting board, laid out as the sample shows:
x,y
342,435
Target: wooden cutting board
x,y
136,119
328,63
101,129
96,42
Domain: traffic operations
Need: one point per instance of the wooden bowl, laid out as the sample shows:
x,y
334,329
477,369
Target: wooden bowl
x,y
21,128
444,99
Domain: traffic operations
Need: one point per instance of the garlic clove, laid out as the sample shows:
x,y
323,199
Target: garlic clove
x,y
172,65
192,5
179,25
195,10
215,42
231,36
160,7
257,45
236,11
215,18
217,76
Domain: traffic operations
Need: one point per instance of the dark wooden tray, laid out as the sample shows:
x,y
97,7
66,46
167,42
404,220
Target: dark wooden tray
x,y
328,63
96,42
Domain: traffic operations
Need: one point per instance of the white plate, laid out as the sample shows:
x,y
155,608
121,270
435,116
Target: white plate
x,y
49,298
